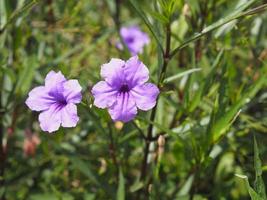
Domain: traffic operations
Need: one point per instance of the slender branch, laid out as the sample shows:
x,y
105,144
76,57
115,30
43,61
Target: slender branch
x,y
153,114
2,152
139,130
198,46
112,150
117,14
166,54
117,22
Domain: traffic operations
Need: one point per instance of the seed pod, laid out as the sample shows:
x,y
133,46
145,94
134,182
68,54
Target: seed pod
x,y
161,141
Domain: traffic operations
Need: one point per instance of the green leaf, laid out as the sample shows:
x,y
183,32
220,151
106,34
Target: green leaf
x,y
258,184
121,188
160,127
136,186
167,7
43,197
2,190
240,6
17,13
233,16
84,169
159,17
147,22
189,86
67,197
3,14
194,6
26,75
224,121
181,74
251,191
187,186
207,82
88,196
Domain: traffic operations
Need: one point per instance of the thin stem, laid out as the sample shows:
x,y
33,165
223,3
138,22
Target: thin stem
x,y
2,152
166,54
149,137
117,22
117,14
112,149
140,130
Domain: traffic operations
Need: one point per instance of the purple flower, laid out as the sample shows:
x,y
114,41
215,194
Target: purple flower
x,y
134,39
124,89
56,100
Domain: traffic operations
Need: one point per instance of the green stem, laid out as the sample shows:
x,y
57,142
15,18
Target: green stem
x,y
149,137
112,149
2,152
117,22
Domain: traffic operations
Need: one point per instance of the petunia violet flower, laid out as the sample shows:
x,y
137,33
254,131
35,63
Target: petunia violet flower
x,y
134,39
124,89
56,100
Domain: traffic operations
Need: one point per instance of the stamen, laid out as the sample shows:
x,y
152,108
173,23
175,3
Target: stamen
x,y
124,88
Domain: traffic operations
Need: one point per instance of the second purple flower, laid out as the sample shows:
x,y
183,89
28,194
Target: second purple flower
x,y
134,39
124,89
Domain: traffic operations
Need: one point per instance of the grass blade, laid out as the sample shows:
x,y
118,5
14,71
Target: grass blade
x,y
18,13
220,23
251,191
258,184
225,120
121,188
148,24
181,74
84,169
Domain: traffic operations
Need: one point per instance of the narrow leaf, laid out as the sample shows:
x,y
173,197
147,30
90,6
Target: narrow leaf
x,y
121,188
252,193
218,24
258,184
18,13
222,124
84,169
181,74
206,83
146,21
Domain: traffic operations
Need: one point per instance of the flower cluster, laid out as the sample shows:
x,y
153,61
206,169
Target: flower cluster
x,y
124,89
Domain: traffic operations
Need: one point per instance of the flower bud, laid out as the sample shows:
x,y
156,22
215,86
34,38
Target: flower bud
x,y
118,125
161,141
30,143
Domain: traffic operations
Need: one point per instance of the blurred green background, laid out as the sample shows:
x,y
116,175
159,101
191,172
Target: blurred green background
x,y
212,102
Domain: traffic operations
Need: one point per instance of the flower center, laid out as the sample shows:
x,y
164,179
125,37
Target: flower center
x,y
124,88
62,101
58,98
129,40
